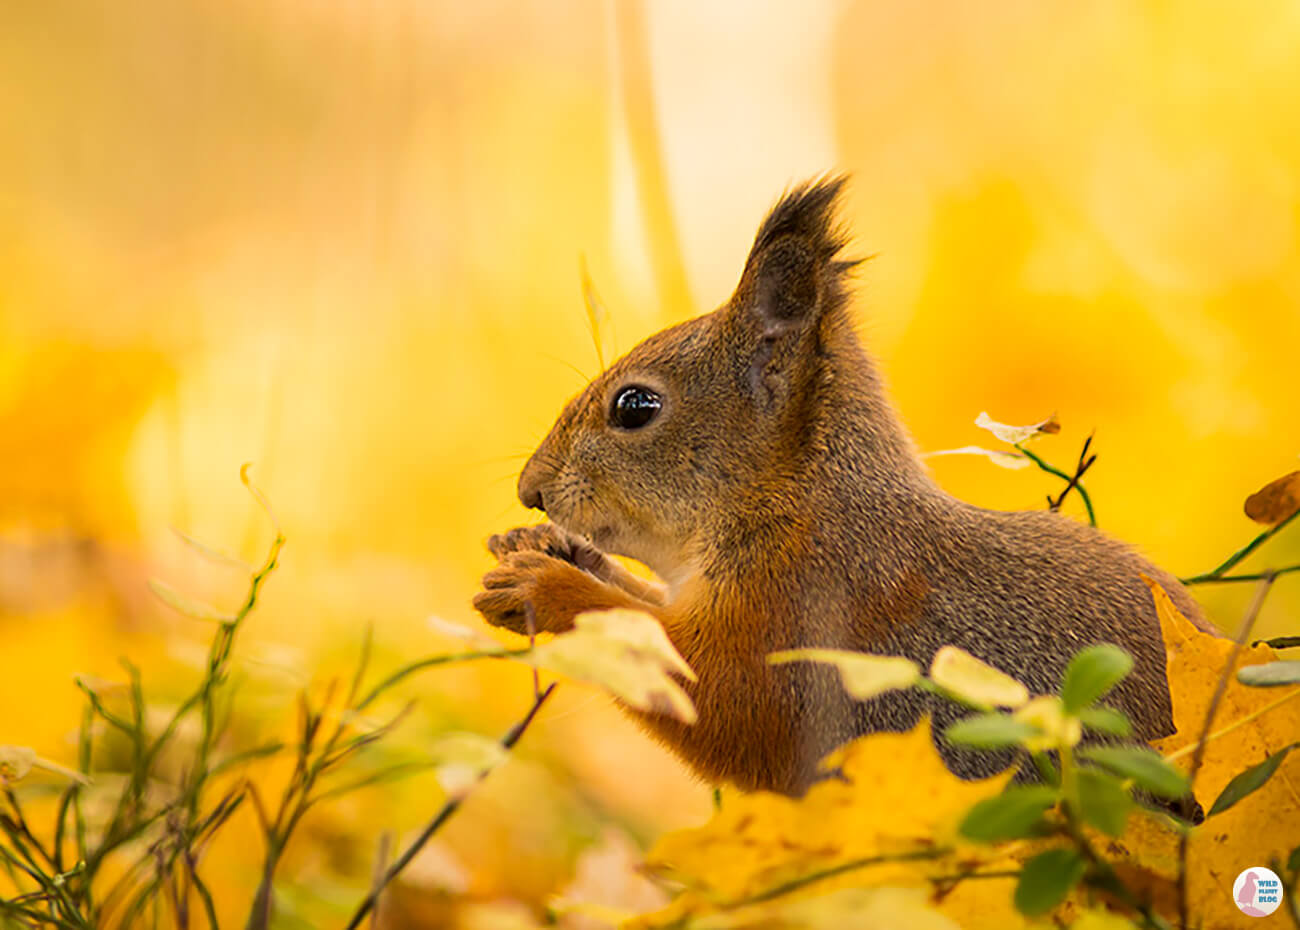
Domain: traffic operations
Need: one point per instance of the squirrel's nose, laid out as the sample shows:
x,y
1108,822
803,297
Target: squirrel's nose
x,y
530,486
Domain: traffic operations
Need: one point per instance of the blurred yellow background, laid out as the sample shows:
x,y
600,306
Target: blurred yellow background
x,y
341,240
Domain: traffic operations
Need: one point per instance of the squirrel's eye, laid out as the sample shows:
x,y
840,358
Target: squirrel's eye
x,y
634,407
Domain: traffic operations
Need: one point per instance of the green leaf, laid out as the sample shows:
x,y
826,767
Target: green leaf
x,y
1014,814
1105,720
1046,879
1103,802
1249,781
1293,861
1270,674
990,731
189,607
1091,673
1145,766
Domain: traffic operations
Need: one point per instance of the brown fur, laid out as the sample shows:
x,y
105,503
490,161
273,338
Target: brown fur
x,y
782,503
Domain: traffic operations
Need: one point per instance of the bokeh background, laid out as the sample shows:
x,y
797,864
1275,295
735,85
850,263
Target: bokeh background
x,y
341,240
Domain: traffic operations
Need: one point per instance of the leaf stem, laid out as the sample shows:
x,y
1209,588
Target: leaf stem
x,y
1217,573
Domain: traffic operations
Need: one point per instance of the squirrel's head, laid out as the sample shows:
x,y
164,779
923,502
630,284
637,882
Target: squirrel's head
x,y
709,416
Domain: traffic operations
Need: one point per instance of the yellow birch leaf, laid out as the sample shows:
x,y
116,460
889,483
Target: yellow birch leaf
x,y
964,675
1017,434
864,676
626,652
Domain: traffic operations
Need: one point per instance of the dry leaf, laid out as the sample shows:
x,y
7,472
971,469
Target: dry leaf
x,y
1017,434
1011,460
628,653
1276,501
1263,825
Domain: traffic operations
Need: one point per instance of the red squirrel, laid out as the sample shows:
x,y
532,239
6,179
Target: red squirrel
x,y
752,459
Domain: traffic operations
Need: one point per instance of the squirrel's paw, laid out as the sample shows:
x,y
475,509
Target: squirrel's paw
x,y
556,590
553,541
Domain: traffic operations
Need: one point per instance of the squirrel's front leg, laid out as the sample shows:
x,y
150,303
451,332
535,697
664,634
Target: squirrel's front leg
x,y
557,591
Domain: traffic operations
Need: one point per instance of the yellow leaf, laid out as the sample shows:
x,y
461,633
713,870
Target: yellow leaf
x,y
1276,501
1048,714
626,652
1250,725
888,820
864,676
1017,434
964,675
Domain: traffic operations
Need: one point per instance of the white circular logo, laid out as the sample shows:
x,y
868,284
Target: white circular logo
x,y
1257,891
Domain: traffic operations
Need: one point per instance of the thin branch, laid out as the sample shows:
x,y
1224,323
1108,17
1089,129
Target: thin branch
x,y
1053,470
1218,573
1085,462
1198,755
453,804
1212,578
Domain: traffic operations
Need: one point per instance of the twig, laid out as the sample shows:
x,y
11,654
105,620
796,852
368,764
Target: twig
x,y
852,865
1230,579
1070,479
453,804
1198,755
1085,462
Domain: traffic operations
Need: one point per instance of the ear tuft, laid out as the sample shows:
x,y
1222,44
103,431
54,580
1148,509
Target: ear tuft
x,y
808,213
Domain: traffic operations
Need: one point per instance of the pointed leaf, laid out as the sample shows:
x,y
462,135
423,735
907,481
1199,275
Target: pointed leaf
x,y
1103,802
1046,879
1014,814
991,731
1145,766
1105,720
1249,781
1091,673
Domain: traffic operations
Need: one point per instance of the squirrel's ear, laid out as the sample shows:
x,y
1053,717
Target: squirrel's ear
x,y
792,278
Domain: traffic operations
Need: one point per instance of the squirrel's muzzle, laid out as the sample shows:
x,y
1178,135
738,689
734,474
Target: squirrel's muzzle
x,y
531,480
